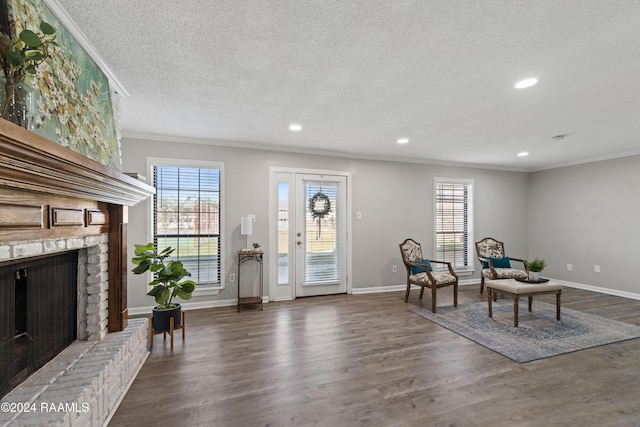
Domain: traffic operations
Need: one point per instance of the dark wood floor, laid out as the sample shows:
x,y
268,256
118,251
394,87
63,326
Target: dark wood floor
x,y
366,360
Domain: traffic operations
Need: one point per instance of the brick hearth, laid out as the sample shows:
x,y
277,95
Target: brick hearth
x,y
83,384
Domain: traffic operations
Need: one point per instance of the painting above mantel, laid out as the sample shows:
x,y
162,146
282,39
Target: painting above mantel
x,y
73,105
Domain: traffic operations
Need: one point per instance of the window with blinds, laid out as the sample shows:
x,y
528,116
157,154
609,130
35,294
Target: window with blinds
x,y
453,222
186,216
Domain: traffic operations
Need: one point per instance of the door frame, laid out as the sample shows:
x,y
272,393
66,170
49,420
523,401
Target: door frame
x,y
287,292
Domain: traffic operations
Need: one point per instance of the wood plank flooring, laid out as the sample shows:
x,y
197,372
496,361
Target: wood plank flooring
x,y
366,360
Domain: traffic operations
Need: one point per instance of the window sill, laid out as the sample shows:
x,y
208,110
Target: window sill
x,y
460,273
206,290
465,272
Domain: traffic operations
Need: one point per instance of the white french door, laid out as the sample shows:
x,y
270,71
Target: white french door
x,y
320,234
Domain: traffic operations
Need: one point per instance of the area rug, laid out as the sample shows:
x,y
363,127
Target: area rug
x,y
538,335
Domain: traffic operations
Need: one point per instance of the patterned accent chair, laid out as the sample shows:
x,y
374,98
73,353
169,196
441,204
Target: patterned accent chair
x,y
494,262
420,272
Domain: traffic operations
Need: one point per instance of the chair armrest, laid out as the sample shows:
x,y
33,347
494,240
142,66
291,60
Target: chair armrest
x,y
523,261
489,263
453,273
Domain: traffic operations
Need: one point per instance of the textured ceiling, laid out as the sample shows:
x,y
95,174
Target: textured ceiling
x,y
360,74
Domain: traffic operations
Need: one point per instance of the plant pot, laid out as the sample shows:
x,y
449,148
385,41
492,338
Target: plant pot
x,y
160,320
534,276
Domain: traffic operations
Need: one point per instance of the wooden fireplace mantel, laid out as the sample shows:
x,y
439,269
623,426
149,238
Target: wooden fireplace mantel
x,y
48,191
31,162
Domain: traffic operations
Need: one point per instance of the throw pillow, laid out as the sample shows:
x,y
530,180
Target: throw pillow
x,y
498,263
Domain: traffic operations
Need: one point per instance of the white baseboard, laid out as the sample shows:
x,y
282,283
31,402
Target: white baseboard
x,y
373,290
394,288
608,291
186,306
467,282
283,299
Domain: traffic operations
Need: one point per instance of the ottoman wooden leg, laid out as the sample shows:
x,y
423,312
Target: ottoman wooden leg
x,y
530,303
515,310
558,305
490,299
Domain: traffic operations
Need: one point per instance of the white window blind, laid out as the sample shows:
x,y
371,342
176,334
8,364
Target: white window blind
x,y
323,243
453,221
186,216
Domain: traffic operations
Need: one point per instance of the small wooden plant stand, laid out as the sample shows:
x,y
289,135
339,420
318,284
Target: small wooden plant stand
x,y
171,330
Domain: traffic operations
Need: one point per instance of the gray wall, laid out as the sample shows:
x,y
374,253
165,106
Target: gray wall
x,y
587,215
396,200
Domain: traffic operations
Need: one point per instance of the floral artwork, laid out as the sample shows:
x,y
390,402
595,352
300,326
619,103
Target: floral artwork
x,y
73,99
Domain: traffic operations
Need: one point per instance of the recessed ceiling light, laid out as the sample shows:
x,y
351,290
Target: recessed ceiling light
x,y
523,154
295,127
522,84
403,140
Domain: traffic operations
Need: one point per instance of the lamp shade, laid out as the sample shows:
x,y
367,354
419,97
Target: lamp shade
x,y
246,226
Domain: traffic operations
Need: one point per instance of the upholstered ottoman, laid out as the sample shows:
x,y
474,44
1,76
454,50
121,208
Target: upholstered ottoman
x,y
522,289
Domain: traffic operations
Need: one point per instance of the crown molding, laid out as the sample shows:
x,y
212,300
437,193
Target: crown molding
x,y
313,151
590,160
82,40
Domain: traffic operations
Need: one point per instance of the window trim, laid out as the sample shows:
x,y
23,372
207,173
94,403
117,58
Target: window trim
x,y
470,268
201,289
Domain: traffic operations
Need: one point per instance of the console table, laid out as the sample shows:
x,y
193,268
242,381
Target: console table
x,y
244,257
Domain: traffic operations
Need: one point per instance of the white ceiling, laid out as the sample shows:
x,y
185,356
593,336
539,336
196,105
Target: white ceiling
x,y
359,74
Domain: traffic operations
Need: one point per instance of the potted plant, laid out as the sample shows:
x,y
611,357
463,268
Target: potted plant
x,y
19,59
256,246
168,282
535,267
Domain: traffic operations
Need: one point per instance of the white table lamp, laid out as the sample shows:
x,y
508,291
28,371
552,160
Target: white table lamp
x,y
246,229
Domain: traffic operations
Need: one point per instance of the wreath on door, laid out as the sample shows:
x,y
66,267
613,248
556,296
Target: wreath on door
x,y
319,207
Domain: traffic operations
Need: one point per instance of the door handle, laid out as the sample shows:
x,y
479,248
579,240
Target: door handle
x,y
299,242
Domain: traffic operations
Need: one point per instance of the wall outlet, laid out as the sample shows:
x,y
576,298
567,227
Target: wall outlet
x,y
232,277
359,215
569,267
596,268
394,269
253,217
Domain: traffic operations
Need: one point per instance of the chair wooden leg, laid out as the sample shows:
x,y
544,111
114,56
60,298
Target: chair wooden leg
x,y
455,295
406,295
490,300
421,292
433,298
515,310
481,282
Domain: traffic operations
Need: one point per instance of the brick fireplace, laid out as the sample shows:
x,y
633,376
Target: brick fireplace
x,y
53,200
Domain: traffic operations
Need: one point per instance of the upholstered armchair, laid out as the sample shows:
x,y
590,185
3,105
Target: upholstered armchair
x,y
495,264
424,273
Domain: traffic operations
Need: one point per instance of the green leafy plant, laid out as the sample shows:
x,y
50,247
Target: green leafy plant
x,y
168,275
256,245
21,57
536,265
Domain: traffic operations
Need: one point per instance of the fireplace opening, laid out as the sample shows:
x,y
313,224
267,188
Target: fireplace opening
x,y
38,303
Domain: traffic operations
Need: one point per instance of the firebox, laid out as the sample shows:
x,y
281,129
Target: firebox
x,y
38,308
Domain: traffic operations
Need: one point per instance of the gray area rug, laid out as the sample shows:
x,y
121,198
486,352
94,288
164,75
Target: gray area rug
x,y
538,335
